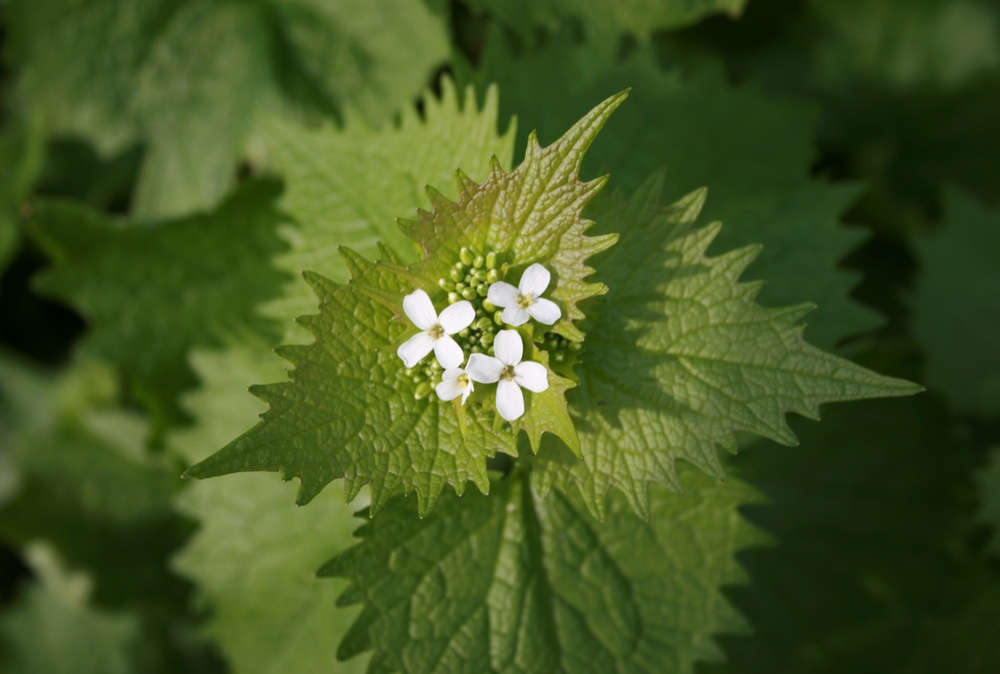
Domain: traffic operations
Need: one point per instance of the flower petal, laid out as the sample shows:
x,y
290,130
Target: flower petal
x,y
508,347
467,391
457,317
484,369
502,294
510,400
544,311
420,310
448,352
532,376
534,280
450,388
514,315
413,350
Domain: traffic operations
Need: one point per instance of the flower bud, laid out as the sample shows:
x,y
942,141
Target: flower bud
x,y
488,306
453,297
492,276
478,262
456,275
482,289
491,260
484,323
469,294
423,390
498,318
466,256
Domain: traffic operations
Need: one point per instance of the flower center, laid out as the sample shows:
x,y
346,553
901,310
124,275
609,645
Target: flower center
x,y
507,373
525,301
463,380
437,332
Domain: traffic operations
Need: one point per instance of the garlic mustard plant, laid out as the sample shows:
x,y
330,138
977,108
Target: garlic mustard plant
x,y
525,301
509,373
455,382
436,330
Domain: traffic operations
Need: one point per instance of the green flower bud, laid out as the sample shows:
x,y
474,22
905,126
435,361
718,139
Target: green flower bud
x,y
465,255
492,276
498,318
482,289
464,333
453,297
456,275
491,260
477,349
481,275
446,285
478,262
484,323
488,306
459,287
487,339
576,347
469,294
423,390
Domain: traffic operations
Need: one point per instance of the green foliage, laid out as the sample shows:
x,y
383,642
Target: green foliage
x,y
346,187
959,338
664,375
20,160
701,131
152,293
254,554
514,582
181,77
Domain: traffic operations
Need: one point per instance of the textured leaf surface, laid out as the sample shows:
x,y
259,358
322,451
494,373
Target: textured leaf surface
x,y
956,308
151,293
872,513
254,555
679,357
605,21
516,583
181,77
346,187
752,152
350,410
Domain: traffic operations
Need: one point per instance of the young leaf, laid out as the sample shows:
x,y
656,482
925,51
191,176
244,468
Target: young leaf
x,y
679,357
182,77
702,131
956,312
346,187
517,583
152,293
254,554
351,408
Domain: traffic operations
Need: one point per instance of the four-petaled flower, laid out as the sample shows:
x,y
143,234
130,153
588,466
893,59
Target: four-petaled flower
x,y
524,301
437,330
510,373
454,382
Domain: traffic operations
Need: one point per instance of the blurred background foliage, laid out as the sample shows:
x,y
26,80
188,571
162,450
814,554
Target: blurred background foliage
x,y
154,155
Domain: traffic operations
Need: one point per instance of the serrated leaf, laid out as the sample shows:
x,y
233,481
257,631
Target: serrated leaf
x,y
181,77
956,309
152,293
346,187
517,583
350,409
605,21
679,357
702,131
872,514
254,554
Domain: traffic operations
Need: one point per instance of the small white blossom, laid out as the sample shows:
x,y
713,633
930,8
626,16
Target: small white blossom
x,y
437,330
525,300
454,382
510,372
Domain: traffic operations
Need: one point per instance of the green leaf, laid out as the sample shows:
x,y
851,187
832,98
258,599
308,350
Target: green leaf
x,y
968,643
605,21
956,313
702,131
152,293
346,187
989,495
184,77
679,357
45,633
21,154
351,410
873,513
254,554
517,583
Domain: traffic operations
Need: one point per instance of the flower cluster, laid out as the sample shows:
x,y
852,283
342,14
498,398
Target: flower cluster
x,y
501,364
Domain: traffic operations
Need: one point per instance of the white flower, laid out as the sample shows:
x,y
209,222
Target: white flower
x,y
437,330
454,382
523,301
510,372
